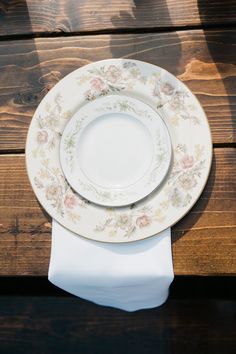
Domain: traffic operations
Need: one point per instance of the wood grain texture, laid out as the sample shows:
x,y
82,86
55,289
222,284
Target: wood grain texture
x,y
32,16
204,242
70,325
205,61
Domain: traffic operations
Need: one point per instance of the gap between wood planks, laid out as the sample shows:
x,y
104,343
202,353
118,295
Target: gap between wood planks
x,y
112,31
22,151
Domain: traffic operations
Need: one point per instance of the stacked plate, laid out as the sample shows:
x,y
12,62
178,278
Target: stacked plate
x,y
118,151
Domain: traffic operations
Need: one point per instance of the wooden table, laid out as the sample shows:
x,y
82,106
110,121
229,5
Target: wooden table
x,y
40,43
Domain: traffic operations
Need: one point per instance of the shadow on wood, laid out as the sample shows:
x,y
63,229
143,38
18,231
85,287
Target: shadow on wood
x,y
224,60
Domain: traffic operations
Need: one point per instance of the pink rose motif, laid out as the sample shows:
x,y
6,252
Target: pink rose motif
x,y
113,74
70,201
98,84
42,137
142,221
167,89
187,161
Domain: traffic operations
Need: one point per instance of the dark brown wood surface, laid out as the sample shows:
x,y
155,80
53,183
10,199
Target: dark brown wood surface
x,y
198,317
203,60
66,16
69,325
204,242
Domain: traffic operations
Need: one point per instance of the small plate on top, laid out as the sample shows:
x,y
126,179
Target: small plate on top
x,y
115,150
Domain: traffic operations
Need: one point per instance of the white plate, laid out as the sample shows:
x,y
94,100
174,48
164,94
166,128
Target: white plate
x,y
191,150
115,150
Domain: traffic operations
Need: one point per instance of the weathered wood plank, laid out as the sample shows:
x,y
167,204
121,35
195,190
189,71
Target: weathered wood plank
x,y
70,325
31,16
204,242
205,61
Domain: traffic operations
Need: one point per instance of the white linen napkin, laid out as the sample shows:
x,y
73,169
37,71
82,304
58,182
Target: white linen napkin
x,y
128,276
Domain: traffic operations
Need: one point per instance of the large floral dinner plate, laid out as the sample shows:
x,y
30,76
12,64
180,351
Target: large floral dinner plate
x,y
191,150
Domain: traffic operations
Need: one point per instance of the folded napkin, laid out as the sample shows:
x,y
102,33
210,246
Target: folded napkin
x,y
129,276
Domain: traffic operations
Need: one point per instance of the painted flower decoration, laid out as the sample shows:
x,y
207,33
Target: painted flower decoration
x,y
53,192
123,221
143,221
97,84
176,198
113,74
177,102
70,201
187,161
42,137
187,181
156,91
167,88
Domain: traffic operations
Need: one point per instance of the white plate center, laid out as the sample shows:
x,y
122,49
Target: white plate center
x,y
115,150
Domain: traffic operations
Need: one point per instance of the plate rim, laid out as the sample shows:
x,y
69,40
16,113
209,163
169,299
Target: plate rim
x,y
156,120
58,85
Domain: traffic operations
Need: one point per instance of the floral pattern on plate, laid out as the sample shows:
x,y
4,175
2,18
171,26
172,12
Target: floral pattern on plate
x,y
191,141
58,192
183,178
48,127
106,80
50,179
